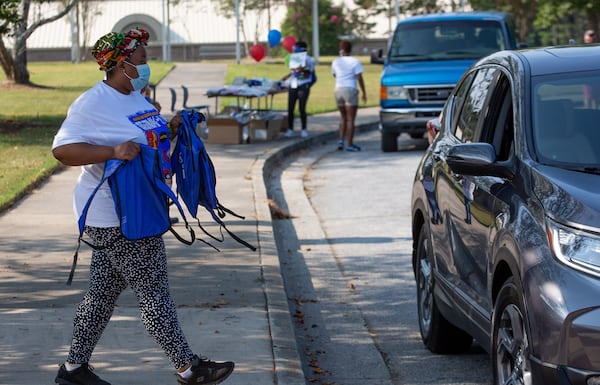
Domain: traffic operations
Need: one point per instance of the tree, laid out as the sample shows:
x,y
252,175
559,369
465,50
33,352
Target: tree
x,y
416,7
547,22
262,8
15,23
335,22
87,11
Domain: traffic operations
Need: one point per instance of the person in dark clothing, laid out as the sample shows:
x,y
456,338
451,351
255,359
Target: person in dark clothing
x,y
301,68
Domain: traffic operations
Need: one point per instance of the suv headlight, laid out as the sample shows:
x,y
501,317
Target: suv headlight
x,y
576,248
393,93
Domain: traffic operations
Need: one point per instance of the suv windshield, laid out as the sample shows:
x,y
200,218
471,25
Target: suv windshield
x,y
565,118
446,40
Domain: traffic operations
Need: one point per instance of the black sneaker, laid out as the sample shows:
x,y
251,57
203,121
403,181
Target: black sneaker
x,y
207,372
83,375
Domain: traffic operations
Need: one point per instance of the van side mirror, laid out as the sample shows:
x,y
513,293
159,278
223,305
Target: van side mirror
x,y
377,56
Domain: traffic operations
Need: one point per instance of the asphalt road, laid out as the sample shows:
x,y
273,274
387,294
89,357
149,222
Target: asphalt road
x,y
345,250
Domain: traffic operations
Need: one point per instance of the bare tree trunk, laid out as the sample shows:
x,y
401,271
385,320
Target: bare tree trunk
x,y
6,61
20,63
15,67
246,44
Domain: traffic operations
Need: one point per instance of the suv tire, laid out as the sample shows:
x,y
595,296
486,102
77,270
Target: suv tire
x,y
438,335
510,344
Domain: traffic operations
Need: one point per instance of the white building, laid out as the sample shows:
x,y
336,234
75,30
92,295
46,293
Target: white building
x,y
192,28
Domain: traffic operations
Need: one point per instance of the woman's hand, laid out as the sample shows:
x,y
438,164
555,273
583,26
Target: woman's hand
x,y
174,126
126,150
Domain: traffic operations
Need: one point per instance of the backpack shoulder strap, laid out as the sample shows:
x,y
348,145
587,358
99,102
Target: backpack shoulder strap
x,y
167,191
110,167
215,208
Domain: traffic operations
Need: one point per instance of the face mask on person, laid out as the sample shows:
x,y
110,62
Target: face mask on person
x,y
143,78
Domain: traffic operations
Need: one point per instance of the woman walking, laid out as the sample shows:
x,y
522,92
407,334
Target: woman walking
x,y
347,71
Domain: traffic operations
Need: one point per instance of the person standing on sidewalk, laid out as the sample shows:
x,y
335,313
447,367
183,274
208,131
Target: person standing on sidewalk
x,y
300,82
347,71
109,121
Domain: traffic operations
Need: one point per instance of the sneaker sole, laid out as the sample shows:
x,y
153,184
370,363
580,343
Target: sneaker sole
x,y
220,379
215,382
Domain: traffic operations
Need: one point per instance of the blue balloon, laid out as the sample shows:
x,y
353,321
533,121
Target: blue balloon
x,y
274,37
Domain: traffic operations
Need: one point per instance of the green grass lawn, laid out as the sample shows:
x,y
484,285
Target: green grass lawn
x,y
321,94
30,116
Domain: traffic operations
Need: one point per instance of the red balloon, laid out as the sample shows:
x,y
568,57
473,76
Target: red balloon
x,y
288,43
257,51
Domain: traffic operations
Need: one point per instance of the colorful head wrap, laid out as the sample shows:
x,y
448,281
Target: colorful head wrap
x,y
114,47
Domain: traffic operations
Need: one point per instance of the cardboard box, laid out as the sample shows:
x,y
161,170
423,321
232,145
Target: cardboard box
x,y
264,129
284,119
225,130
284,123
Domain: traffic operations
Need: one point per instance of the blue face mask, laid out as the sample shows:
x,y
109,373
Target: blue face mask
x,y
143,78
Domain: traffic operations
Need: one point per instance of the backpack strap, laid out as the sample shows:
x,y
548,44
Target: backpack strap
x,y
110,167
220,209
167,191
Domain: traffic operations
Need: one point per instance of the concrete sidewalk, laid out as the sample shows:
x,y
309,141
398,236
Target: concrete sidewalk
x,y
232,304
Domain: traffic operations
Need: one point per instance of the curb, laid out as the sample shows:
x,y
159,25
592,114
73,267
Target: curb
x,y
286,359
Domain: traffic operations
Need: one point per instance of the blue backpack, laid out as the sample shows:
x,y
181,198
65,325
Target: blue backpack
x,y
141,199
195,175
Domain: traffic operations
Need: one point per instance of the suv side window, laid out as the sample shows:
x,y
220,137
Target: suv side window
x,y
459,98
498,128
472,111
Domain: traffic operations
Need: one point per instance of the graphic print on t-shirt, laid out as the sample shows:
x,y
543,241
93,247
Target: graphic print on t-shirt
x,y
155,127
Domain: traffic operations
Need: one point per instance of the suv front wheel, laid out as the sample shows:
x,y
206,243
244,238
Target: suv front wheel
x,y
510,348
438,335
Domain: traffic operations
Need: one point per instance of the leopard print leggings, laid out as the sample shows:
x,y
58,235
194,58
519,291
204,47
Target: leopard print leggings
x,y
118,264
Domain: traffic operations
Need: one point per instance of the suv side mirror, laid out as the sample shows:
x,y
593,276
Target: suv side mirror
x,y
477,159
377,56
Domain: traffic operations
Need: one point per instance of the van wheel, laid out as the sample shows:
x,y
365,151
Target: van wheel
x,y
438,335
389,142
510,345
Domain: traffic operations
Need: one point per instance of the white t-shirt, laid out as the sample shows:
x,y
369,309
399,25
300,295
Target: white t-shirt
x,y
104,116
345,69
295,82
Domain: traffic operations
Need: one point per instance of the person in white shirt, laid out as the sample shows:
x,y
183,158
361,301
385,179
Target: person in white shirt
x,y
110,121
348,72
300,82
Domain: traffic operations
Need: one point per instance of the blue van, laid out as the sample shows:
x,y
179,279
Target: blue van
x,y
426,57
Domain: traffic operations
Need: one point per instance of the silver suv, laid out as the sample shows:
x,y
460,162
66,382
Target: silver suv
x,y
506,217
